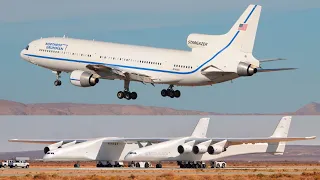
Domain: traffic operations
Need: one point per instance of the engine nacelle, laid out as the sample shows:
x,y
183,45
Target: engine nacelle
x,y
184,149
83,79
245,69
198,40
52,147
216,149
199,149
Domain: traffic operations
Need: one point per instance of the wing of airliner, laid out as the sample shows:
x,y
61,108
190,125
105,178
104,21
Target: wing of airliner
x,y
123,74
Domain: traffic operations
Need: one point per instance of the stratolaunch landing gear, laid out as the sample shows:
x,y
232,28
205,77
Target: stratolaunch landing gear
x,y
126,93
170,92
57,82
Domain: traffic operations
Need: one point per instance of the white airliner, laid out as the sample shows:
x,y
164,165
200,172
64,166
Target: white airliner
x,y
198,147
109,151
213,59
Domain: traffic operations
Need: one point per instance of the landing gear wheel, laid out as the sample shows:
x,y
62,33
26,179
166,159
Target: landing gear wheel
x,y
137,165
127,95
170,93
164,93
120,94
159,166
223,165
177,93
134,95
146,165
76,165
57,83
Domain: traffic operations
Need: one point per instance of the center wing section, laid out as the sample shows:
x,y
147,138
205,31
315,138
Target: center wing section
x,y
103,69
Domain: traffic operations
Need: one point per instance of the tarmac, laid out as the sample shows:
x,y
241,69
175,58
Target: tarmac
x,y
293,170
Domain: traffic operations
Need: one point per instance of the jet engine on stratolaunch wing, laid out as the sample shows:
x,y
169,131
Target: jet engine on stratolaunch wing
x,y
52,147
216,149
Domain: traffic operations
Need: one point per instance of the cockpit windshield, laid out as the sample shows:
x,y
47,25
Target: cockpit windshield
x,y
132,153
27,48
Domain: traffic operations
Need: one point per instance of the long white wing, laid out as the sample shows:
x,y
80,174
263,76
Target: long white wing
x,y
45,141
107,139
234,141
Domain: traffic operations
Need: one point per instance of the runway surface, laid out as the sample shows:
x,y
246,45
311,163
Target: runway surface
x,y
292,170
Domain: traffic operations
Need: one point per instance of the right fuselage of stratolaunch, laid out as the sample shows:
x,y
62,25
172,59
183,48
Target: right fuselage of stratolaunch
x,y
213,59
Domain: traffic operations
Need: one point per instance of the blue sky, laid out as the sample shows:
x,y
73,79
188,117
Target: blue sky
x,y
287,29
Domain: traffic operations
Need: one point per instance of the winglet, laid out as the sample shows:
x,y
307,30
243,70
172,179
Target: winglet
x,y
201,129
282,129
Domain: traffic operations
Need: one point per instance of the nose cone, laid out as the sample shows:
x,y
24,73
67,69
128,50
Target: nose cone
x,y
23,56
47,157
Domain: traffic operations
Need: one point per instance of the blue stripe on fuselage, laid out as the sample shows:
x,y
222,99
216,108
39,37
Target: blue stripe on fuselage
x,y
148,69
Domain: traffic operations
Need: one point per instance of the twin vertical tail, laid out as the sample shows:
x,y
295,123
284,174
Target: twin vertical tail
x,y
281,130
243,32
201,129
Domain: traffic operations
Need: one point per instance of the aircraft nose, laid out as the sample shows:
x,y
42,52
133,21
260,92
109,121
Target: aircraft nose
x,y
47,157
23,56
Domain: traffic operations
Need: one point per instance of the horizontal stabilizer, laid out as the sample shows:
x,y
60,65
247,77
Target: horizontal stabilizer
x,y
279,69
270,60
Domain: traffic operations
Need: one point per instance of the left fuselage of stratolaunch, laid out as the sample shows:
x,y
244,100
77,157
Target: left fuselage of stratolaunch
x,y
164,66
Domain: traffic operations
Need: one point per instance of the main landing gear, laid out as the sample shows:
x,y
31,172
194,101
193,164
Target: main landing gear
x,y
57,82
170,92
126,93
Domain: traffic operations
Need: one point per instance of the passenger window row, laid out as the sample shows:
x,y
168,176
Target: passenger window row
x,y
182,66
65,52
132,60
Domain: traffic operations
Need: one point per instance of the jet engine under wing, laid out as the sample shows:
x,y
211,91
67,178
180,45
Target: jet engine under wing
x,y
124,75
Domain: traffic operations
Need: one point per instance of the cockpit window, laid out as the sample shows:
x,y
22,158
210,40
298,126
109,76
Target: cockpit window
x,y
132,153
27,48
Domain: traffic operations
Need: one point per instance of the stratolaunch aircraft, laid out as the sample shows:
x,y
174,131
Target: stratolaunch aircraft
x,y
213,59
107,151
191,151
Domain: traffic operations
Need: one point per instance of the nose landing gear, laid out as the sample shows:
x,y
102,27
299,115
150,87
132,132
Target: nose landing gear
x,y
57,82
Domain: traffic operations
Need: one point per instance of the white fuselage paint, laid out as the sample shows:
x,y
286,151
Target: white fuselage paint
x,y
164,66
93,150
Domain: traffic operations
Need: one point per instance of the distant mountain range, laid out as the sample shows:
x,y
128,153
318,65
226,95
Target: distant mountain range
x,y
292,153
16,108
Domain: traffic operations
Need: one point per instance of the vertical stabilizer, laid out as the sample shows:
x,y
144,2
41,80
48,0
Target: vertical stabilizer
x,y
281,130
243,32
201,129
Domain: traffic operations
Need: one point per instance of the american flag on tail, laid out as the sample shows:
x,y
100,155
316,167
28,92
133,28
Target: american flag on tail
x,y
243,27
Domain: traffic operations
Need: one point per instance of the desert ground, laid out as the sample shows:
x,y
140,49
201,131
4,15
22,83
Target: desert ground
x,y
235,170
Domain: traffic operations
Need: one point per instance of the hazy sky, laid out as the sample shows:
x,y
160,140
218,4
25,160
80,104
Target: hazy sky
x,y
68,127
288,28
